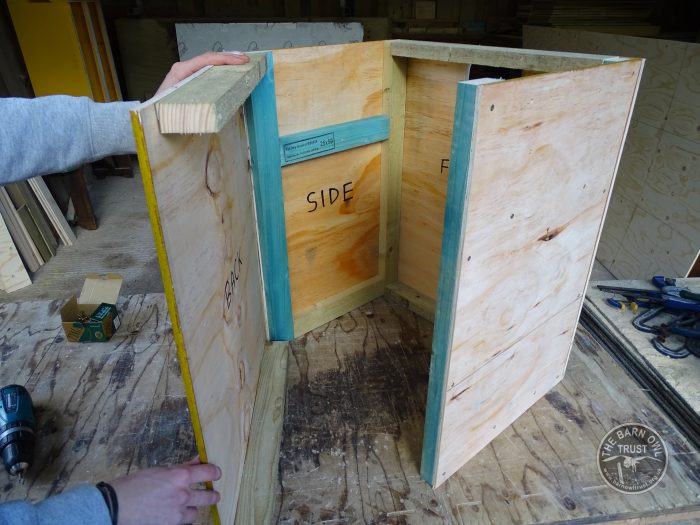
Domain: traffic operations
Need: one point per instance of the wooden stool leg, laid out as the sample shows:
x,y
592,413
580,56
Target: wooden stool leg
x,y
77,189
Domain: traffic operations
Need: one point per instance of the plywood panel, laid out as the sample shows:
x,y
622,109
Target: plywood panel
x,y
333,237
537,162
684,115
200,200
13,276
661,238
648,246
431,90
332,224
325,85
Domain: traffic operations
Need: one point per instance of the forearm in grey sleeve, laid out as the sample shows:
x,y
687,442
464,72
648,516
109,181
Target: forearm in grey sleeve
x,y
57,133
81,505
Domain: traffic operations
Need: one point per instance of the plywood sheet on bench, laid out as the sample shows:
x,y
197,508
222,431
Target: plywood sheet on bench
x,y
200,199
543,154
431,91
353,428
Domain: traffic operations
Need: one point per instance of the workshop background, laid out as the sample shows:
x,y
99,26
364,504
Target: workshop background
x,y
105,409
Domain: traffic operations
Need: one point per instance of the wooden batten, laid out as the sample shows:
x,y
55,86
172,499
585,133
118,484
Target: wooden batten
x,y
263,136
205,103
547,61
394,104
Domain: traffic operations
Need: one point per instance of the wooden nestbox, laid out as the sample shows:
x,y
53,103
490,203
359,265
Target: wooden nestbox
x,y
288,191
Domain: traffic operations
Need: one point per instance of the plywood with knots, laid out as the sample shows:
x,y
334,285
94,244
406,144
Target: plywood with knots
x,y
541,156
200,198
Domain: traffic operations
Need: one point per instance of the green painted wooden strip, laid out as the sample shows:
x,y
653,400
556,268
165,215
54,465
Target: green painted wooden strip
x,y
453,234
263,136
306,145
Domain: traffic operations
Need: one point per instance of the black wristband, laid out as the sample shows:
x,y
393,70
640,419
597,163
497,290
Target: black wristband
x,y
110,497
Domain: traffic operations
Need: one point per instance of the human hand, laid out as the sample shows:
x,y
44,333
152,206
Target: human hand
x,y
164,495
182,70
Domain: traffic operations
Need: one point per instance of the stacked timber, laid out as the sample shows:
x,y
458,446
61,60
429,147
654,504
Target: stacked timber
x,y
626,17
31,225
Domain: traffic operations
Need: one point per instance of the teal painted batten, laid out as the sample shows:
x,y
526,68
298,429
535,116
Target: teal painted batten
x,y
306,145
452,239
263,137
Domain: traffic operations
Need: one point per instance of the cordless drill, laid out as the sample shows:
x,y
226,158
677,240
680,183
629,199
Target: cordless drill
x,y
17,430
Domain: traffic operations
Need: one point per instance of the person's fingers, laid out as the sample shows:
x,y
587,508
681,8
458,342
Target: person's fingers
x,y
203,498
206,472
181,70
193,65
189,515
194,461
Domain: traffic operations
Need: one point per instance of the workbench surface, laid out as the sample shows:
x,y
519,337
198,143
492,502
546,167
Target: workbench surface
x,y
353,424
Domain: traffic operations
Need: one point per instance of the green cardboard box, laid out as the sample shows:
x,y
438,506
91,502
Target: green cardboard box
x,y
93,316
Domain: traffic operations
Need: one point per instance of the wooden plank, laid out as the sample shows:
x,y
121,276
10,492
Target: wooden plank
x,y
259,482
60,225
326,85
25,197
13,276
31,215
91,63
261,119
519,252
314,143
356,391
394,104
431,91
200,198
655,233
507,57
23,241
206,103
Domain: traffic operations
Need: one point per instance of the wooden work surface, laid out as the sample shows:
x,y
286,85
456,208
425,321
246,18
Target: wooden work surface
x,y
683,375
102,409
352,427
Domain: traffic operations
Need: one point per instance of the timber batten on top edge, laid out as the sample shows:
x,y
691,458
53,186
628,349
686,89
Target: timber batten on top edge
x,y
546,61
206,103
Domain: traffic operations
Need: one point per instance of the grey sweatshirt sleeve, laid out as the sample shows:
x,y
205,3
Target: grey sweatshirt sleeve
x,y
81,505
57,133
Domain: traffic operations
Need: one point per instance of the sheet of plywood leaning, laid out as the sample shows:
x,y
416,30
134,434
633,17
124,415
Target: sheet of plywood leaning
x,y
200,199
531,168
652,226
